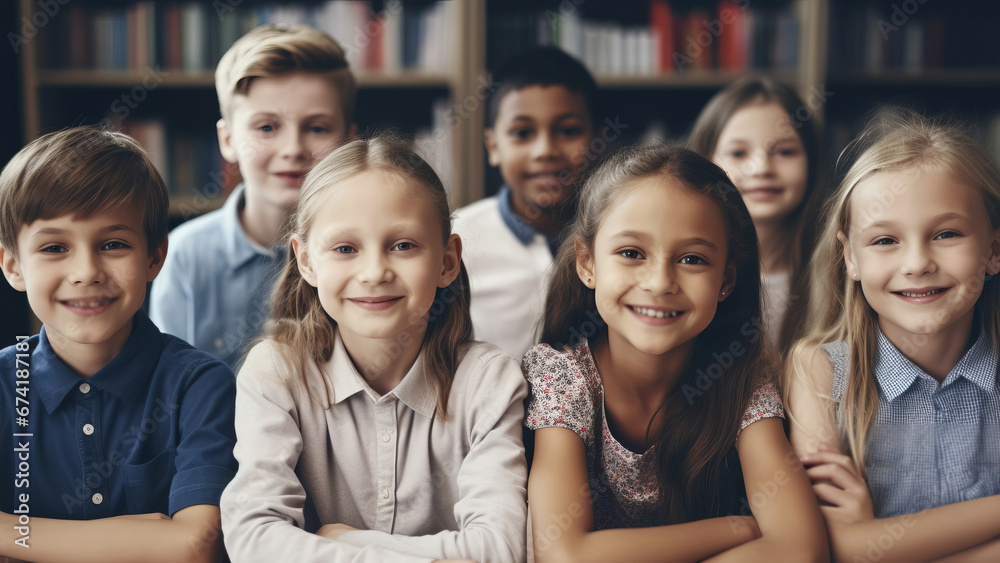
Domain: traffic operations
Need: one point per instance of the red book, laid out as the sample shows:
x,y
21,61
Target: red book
x,y
661,22
934,47
696,35
79,39
376,46
733,38
173,54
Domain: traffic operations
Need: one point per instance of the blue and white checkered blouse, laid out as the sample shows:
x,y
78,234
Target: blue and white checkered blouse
x,y
931,444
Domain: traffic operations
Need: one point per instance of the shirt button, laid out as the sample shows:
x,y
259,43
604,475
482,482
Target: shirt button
x,y
85,388
88,429
385,436
98,498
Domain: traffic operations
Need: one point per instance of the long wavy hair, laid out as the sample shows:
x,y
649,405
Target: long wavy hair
x,y
298,321
801,222
897,139
694,441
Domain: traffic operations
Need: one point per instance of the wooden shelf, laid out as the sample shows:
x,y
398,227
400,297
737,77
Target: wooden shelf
x,y
688,79
987,78
206,79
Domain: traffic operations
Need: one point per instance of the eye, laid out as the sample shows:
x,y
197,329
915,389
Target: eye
x,y
947,234
114,245
266,128
693,259
571,131
631,254
521,134
53,249
737,154
883,241
344,249
788,152
404,246
318,129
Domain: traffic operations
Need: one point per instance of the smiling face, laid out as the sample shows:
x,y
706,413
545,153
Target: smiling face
x,y
658,267
375,253
539,141
279,130
764,156
920,243
85,279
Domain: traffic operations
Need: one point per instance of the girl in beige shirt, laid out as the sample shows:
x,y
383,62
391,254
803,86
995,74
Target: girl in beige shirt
x,y
370,426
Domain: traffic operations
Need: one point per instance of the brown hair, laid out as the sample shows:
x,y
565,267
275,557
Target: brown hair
x,y
275,49
897,139
699,426
81,172
298,321
801,223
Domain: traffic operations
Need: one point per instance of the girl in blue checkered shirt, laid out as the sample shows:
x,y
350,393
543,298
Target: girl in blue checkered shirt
x,y
893,396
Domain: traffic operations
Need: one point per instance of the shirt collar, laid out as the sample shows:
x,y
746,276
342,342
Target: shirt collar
x,y
522,230
240,248
124,376
415,390
895,373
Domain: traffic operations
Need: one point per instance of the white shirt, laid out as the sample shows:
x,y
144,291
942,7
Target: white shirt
x,y
508,278
418,488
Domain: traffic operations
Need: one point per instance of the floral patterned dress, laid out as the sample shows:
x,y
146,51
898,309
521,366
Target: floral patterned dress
x,y
566,392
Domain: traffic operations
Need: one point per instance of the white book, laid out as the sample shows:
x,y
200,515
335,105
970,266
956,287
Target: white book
x,y
392,33
193,34
571,34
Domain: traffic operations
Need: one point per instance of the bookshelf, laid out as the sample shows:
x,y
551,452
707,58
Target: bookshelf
x,y
143,65
816,45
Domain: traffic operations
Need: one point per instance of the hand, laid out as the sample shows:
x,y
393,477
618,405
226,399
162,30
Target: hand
x,y
334,531
838,484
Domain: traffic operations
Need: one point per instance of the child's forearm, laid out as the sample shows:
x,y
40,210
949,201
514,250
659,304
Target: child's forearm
x,y
988,552
679,543
924,536
190,537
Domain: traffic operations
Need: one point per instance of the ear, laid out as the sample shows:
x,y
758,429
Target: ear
x,y
303,260
728,283
852,266
226,146
12,270
156,261
490,138
993,262
584,264
452,261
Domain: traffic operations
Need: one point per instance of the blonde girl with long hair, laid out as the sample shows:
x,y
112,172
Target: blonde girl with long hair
x,y
893,394
370,426
658,432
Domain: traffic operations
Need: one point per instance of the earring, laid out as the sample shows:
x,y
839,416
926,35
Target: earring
x,y
723,293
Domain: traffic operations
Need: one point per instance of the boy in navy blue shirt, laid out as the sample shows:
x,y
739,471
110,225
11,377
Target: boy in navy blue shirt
x,y
117,439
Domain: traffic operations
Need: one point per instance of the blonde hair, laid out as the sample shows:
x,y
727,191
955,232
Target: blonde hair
x,y
276,49
81,172
896,140
298,321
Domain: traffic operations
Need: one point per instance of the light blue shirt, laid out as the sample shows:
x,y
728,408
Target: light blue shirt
x,y
931,444
215,286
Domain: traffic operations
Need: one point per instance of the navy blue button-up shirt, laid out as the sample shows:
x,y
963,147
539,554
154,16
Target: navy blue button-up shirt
x,y
152,431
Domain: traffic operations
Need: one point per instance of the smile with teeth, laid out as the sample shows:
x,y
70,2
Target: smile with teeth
x,y
932,292
654,313
89,303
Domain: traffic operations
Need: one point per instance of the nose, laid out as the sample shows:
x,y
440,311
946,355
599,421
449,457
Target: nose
x,y
86,269
918,261
659,279
545,147
374,269
291,144
759,163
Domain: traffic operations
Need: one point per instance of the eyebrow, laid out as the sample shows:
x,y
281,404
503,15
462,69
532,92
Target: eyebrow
x,y
560,117
48,231
692,241
937,219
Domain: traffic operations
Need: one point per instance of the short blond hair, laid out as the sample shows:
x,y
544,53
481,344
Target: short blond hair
x,y
276,49
81,172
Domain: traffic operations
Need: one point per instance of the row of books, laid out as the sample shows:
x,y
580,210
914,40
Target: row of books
x,y
912,36
189,162
734,37
193,35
